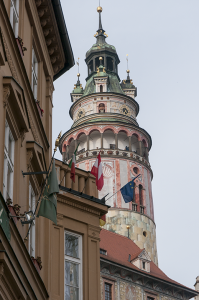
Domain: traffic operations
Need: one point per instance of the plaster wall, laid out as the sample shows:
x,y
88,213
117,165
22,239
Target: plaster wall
x,y
108,138
112,105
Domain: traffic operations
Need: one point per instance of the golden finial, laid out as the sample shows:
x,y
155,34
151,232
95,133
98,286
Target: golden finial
x,y
100,58
128,71
78,74
127,226
57,141
99,9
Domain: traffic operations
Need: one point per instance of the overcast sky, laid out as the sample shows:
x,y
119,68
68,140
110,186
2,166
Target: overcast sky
x,y
161,38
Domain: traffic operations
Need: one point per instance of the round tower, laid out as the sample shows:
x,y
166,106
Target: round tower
x,y
104,115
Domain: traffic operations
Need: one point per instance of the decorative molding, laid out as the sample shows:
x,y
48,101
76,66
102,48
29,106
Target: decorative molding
x,y
81,206
22,134
9,59
6,94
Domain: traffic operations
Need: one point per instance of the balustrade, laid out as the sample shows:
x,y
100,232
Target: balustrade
x,y
84,181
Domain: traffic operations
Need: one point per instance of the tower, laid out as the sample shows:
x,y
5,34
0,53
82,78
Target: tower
x,y
104,115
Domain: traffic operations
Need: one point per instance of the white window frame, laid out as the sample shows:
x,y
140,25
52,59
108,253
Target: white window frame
x,y
8,173
34,73
32,202
14,16
76,261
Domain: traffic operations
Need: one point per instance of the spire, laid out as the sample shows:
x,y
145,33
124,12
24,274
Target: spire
x,y
100,34
99,10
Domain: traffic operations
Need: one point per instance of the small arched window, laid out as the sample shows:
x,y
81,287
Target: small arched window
x,y
140,194
101,88
101,108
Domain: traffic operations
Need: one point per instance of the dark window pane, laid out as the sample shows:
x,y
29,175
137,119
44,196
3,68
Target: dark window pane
x,y
71,246
108,294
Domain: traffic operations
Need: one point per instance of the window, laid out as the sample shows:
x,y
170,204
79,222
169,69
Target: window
x,y
150,298
73,266
143,265
101,108
8,164
102,251
32,230
14,16
140,194
34,73
108,291
101,88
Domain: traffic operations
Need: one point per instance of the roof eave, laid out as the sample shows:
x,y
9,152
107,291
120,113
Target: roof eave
x,y
69,58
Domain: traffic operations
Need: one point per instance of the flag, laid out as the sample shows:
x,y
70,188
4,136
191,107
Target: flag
x,y
72,165
72,171
48,206
127,190
97,172
103,220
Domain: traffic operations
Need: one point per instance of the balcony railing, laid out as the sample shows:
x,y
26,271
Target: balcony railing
x,y
84,181
109,152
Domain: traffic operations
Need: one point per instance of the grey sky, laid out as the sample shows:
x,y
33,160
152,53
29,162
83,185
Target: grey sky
x,y
161,38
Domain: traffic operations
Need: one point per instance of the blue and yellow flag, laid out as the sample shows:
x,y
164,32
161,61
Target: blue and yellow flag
x,y
127,190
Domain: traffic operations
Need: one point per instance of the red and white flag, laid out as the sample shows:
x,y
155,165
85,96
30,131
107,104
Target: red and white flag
x,y
72,171
97,172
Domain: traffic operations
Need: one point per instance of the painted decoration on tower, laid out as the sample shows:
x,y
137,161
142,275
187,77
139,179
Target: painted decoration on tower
x,y
125,110
80,113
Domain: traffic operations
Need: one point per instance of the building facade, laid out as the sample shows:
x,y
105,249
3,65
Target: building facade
x,y
104,115
128,273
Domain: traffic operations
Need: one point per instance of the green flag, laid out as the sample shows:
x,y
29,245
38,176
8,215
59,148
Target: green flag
x,y
70,163
4,220
48,206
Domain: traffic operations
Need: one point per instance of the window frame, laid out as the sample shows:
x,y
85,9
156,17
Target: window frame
x,y
14,16
8,172
78,261
34,74
32,238
111,282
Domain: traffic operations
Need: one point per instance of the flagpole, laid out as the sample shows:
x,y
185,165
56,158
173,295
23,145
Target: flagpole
x,y
38,201
120,189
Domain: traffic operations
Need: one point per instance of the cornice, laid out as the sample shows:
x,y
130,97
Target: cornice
x,y
81,203
106,94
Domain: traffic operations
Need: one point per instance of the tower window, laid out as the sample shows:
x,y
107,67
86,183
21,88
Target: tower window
x,y
90,67
109,63
101,108
135,170
140,194
101,88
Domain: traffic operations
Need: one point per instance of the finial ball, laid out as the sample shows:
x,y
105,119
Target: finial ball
x,y
128,71
127,226
99,9
78,74
100,58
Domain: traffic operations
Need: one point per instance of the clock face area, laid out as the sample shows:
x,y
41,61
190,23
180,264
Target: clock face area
x,y
125,110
